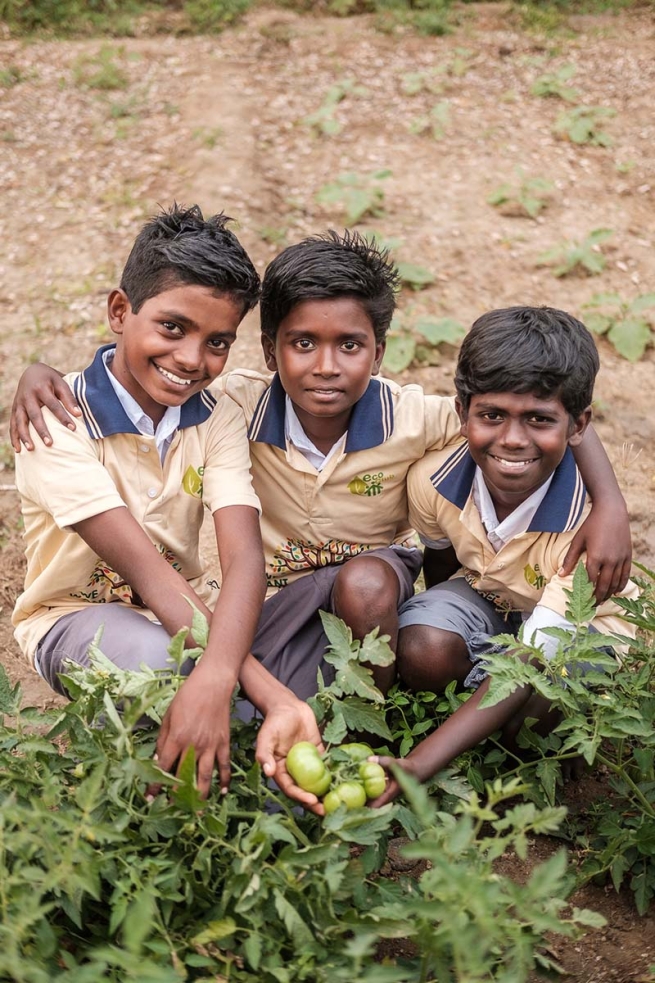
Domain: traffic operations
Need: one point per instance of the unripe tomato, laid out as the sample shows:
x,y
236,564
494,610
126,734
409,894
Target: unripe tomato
x,y
349,794
307,768
357,752
373,778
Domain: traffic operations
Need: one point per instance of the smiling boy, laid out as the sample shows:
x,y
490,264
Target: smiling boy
x,y
113,508
509,501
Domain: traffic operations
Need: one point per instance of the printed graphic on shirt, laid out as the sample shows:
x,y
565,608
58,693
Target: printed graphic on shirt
x,y
295,555
106,585
534,577
502,604
368,484
192,481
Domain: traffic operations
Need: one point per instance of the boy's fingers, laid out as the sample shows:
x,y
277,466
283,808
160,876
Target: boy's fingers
x,y
388,795
569,562
223,759
19,430
205,773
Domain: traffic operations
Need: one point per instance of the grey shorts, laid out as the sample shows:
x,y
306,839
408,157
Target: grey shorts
x,y
290,640
455,606
129,640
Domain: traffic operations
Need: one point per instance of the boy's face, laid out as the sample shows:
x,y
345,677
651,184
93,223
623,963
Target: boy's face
x,y
325,353
517,440
174,347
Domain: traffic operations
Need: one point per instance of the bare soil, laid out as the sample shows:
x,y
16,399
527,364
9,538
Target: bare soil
x,y
220,121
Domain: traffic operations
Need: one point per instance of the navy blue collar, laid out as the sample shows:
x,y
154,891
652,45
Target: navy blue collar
x,y
559,511
370,424
102,411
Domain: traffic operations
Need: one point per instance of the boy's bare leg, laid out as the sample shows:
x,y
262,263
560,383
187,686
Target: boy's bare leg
x,y
366,594
431,658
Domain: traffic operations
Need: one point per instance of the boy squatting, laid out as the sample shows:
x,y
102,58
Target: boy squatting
x,y
322,424
508,501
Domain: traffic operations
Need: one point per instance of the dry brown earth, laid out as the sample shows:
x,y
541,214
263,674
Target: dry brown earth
x,y
220,121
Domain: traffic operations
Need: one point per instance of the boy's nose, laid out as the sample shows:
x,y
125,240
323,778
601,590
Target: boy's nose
x,y
514,434
189,356
326,362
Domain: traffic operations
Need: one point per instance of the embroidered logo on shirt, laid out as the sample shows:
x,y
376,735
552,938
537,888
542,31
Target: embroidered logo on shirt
x,y
369,484
192,481
534,577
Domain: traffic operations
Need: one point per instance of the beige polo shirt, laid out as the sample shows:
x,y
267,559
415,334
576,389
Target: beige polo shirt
x,y
358,500
104,464
523,573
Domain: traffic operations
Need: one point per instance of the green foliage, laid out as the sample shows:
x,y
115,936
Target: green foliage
x,y
554,84
576,258
623,322
10,76
100,70
100,882
404,344
435,122
526,196
324,121
416,277
70,16
359,194
212,16
582,124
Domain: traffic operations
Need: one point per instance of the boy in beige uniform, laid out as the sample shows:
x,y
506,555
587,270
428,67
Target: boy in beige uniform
x,y
113,508
508,501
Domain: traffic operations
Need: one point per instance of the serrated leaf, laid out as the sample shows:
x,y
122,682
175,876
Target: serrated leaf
x,y
446,329
375,649
581,606
399,352
186,795
335,731
361,717
215,931
630,337
416,277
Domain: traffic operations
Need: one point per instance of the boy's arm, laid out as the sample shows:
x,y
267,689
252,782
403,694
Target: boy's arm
x,y
466,727
40,385
199,714
605,534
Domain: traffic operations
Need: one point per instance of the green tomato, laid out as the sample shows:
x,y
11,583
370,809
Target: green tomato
x,y
307,768
356,752
373,778
349,794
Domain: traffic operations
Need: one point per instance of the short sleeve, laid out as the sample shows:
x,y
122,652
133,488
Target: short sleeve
x,y
442,423
423,501
226,478
67,479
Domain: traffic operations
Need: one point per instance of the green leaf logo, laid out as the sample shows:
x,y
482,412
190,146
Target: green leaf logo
x,y
192,482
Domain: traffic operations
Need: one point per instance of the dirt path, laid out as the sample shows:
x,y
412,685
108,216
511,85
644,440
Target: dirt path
x,y
222,121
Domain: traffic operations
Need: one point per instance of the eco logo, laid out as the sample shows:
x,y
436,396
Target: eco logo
x,y
369,484
192,481
534,576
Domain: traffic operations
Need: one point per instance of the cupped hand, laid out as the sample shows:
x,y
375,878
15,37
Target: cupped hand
x,y
285,725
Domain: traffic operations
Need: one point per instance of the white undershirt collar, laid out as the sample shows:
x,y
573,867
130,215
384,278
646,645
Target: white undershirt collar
x,y
294,432
169,423
500,533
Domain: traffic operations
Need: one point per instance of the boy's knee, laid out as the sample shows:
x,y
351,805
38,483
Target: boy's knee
x,y
366,586
431,658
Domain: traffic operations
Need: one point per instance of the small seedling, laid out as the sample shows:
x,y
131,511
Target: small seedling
x,y
208,136
413,83
416,277
324,120
576,258
526,197
10,76
419,341
359,194
582,125
553,85
100,71
435,122
623,322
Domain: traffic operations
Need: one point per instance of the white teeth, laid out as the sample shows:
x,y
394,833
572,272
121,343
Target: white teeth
x,y
174,378
513,464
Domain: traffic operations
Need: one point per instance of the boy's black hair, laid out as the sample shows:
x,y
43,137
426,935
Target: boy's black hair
x,y
330,265
179,246
538,350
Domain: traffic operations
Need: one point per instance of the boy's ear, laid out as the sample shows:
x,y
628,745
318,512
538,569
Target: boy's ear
x,y
118,306
463,416
380,349
268,348
578,427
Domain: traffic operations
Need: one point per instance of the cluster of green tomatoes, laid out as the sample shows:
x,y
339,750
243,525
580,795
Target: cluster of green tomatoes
x,y
342,776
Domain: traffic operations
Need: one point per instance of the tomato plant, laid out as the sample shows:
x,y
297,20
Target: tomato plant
x,y
307,768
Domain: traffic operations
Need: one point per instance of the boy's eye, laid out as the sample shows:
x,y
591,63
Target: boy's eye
x,y
350,346
171,326
218,345
304,344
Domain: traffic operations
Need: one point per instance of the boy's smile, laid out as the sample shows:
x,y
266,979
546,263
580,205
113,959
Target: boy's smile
x,y
517,440
176,344
325,353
